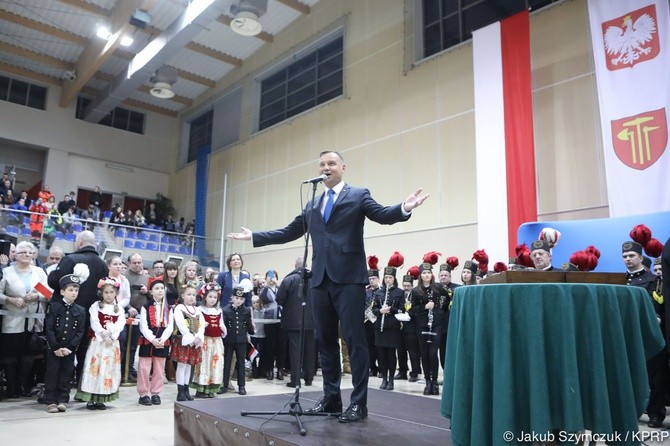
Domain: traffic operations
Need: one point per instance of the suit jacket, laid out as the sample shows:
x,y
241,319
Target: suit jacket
x,y
225,281
64,327
88,290
337,246
287,297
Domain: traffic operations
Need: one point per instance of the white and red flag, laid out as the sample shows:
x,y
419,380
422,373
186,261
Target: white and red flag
x,y
630,51
506,191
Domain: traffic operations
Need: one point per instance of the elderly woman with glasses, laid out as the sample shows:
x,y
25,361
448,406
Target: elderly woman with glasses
x,y
24,310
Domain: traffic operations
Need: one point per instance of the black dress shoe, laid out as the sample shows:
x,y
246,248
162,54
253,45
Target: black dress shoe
x,y
91,405
656,422
326,405
155,400
384,384
145,400
269,376
401,376
280,375
413,378
355,412
308,383
242,390
289,384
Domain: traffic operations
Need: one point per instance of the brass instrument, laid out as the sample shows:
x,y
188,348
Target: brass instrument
x,y
386,298
430,335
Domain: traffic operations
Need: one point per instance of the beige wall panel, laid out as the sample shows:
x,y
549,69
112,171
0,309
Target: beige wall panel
x,y
560,44
352,121
417,96
325,128
384,26
239,163
324,14
382,81
355,36
456,190
454,88
279,149
568,155
419,152
257,151
383,167
300,146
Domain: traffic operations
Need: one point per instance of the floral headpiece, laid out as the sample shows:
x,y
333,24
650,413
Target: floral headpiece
x,y
206,288
108,281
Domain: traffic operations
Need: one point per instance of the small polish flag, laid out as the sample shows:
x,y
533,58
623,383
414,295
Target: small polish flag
x,y
44,290
251,352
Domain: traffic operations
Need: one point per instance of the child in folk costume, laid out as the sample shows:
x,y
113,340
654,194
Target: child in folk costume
x,y
239,326
388,301
156,325
208,374
102,370
429,302
187,342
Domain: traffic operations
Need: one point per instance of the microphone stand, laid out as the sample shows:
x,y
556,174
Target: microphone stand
x,y
295,409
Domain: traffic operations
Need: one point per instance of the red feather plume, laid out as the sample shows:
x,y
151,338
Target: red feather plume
x,y
593,250
431,257
580,260
484,268
523,255
654,248
641,234
499,267
396,260
452,261
414,272
591,261
373,261
480,256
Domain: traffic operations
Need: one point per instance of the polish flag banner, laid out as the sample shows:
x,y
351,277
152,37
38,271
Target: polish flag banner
x,y
44,290
630,43
505,152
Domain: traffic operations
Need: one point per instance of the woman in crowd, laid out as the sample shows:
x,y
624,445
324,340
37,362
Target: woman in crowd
x,y
188,275
18,296
469,273
171,283
274,336
228,280
115,265
140,221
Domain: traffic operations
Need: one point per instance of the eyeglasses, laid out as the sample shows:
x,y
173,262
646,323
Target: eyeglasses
x,y
23,252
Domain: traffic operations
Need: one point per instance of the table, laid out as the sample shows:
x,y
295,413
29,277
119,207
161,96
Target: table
x,y
532,358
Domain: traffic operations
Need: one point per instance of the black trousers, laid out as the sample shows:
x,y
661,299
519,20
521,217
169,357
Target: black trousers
x,y
372,350
275,353
240,350
333,302
429,360
387,361
57,378
657,372
308,355
409,345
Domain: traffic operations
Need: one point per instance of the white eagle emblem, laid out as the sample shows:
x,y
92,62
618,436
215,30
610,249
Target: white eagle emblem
x,y
627,43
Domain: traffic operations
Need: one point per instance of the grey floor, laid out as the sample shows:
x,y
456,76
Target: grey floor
x,y
24,422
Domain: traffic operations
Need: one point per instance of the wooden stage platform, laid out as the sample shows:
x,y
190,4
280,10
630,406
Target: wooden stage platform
x,y
394,418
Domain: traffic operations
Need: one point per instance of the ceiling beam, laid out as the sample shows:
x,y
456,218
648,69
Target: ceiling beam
x,y
223,57
176,98
295,4
39,77
37,57
43,28
88,7
97,53
196,78
265,37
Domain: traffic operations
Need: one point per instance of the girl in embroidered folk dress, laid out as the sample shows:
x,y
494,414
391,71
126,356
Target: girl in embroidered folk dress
x,y
102,369
208,375
156,325
187,342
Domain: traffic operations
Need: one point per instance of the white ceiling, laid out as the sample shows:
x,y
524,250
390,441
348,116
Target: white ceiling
x,y
42,39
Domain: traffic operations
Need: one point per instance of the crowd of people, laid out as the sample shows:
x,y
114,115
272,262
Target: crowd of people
x,y
46,215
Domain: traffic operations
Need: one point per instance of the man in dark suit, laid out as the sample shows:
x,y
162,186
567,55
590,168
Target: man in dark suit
x,y
288,296
339,275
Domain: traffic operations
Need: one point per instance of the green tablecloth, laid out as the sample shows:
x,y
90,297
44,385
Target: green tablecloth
x,y
532,358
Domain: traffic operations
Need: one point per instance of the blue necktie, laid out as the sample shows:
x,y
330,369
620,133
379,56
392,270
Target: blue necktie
x,y
329,205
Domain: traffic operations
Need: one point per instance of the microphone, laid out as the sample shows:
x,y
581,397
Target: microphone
x,y
315,180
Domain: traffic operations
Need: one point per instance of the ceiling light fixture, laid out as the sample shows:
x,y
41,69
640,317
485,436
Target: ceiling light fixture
x,y
126,41
162,82
103,32
246,16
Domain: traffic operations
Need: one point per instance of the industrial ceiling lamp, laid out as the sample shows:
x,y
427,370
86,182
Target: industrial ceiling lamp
x,y
162,82
246,15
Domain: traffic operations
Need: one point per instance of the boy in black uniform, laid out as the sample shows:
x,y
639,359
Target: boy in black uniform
x,y
237,318
64,327
657,366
